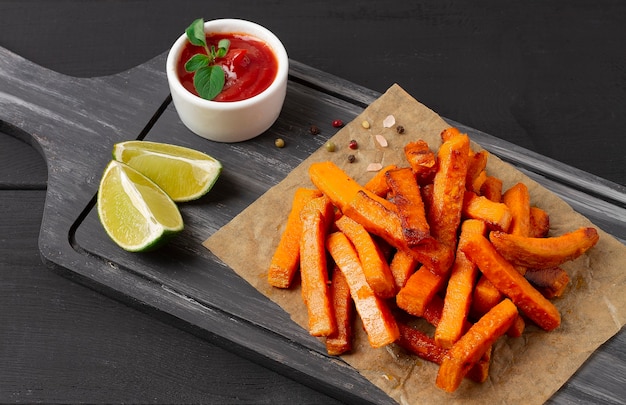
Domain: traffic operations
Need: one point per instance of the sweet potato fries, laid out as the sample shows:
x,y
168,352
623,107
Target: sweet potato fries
x,y
433,237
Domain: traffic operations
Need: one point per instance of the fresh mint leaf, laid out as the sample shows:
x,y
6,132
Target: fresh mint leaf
x,y
196,62
209,81
222,48
195,33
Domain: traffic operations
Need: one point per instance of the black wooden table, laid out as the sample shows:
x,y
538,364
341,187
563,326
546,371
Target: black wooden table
x,y
545,77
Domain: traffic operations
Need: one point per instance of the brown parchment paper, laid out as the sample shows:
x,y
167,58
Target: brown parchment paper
x,y
525,370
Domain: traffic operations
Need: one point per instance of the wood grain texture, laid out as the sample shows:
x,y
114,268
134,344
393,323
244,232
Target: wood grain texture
x,y
21,166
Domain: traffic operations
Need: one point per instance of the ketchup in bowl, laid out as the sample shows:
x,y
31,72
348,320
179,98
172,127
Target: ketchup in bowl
x,y
250,66
256,69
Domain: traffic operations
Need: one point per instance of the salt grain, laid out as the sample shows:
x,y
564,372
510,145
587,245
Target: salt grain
x,y
374,167
389,121
381,141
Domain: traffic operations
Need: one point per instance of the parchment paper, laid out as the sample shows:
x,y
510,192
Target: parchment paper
x,y
525,370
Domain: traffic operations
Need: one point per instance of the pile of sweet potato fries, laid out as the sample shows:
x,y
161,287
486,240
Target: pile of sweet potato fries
x,y
437,238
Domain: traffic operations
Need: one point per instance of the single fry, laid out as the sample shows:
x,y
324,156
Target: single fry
x,y
541,253
484,297
422,160
378,321
448,133
331,180
517,199
497,215
551,282
420,344
286,259
417,342
378,184
314,273
539,223
402,265
458,296
408,199
434,309
334,183
375,267
324,205
511,283
448,189
341,341
476,174
419,290
487,296
377,218
480,371
468,350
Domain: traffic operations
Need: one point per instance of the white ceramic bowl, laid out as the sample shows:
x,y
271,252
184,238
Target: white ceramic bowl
x,y
232,121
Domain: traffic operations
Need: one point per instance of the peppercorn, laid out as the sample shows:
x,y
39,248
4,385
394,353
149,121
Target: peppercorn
x,y
314,130
351,158
337,123
353,144
400,129
279,142
330,146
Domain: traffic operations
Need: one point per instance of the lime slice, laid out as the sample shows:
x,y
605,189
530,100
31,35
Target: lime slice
x,y
136,213
184,174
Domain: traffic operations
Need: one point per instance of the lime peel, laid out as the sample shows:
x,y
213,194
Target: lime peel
x,y
184,174
135,212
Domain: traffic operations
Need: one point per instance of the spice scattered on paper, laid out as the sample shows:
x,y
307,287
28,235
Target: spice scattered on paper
x,y
382,141
389,121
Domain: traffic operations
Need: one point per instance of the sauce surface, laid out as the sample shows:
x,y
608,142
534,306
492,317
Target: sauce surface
x,y
250,66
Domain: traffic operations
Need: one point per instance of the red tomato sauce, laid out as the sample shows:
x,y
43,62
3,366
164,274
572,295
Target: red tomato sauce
x,y
250,66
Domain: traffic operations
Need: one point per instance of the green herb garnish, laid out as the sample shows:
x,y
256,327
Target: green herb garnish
x,y
208,79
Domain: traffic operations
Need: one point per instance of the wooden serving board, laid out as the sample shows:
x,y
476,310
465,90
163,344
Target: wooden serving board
x,y
75,122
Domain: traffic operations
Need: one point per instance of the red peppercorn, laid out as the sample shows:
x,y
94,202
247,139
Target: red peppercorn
x,y
353,144
337,123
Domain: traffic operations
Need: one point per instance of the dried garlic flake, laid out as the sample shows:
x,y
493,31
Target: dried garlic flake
x,y
389,121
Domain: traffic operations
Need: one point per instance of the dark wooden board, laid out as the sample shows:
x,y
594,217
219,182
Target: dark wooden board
x,y
20,165
74,123
55,333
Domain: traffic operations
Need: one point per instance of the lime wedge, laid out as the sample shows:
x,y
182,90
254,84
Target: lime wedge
x,y
184,174
136,213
